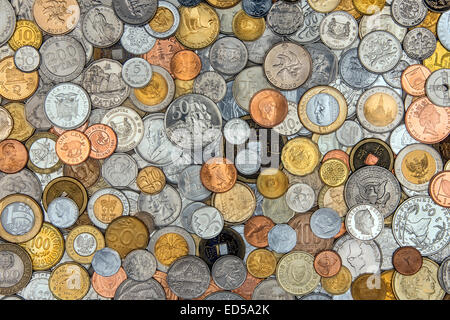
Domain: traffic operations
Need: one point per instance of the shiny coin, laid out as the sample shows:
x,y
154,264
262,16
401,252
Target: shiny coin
x,y
106,262
309,31
437,87
27,59
339,283
69,281
325,223
14,156
105,205
381,20
300,197
229,272
42,153
236,131
419,43
185,65
300,156
334,172
247,28
103,141
73,147
68,15
256,231
139,265
137,72
439,188
333,35
16,85
218,175
261,263
255,9
207,222
408,13
327,263
151,180
407,260
414,78
16,268
135,15
364,222
62,212
369,152
442,30
272,183
165,22
82,242
282,238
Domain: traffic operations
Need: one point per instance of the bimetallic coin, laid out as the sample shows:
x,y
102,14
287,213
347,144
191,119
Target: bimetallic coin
x,y
137,72
436,87
325,223
37,288
334,35
62,212
105,205
27,59
82,242
165,22
419,43
8,21
101,26
16,268
229,272
364,222
106,262
282,238
408,13
422,224
300,197
285,18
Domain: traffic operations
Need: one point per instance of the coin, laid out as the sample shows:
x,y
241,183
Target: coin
x,y
8,21
323,5
229,272
236,205
407,260
190,185
268,108
135,15
435,87
261,263
107,286
269,289
332,36
300,156
364,222
22,129
67,186
101,26
69,281
14,156
365,287
400,13
414,78
381,20
165,22
105,205
371,152
73,147
248,28
27,59
16,85
26,33
37,288
339,283
334,172
106,262
137,290
285,18
137,72
228,55
82,242
185,65
16,268
218,175
8,124
333,197
151,180
56,20
327,263
300,197
282,238
62,212
438,188
353,73
325,223
120,170
87,172
427,41
139,265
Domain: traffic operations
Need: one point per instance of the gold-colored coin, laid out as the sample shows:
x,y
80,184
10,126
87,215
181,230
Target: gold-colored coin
x,y
34,166
338,284
199,26
237,204
323,6
261,263
126,234
300,156
46,248
170,247
291,271
69,281
322,109
423,285
162,21
386,277
27,33
372,112
151,180
333,197
16,85
447,165
430,22
247,28
439,59
82,243
223,4
153,93
418,176
67,187
272,183
347,5
368,286
21,218
22,129
183,87
334,172
369,7
107,214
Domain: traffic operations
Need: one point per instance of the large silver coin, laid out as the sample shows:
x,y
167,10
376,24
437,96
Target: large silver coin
x,y
101,27
7,21
37,288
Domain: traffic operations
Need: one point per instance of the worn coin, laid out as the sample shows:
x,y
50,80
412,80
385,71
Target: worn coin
x,y
229,272
139,265
8,21
325,223
407,260
190,184
269,289
140,290
210,84
247,28
101,26
282,238
37,288
419,43
106,262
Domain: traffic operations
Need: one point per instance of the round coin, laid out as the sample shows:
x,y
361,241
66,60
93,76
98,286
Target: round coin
x,y
268,108
364,222
82,242
56,19
107,286
339,283
327,263
325,223
272,183
261,263
69,281
414,78
366,287
436,87
62,212
137,72
16,85
300,156
13,156
73,147
139,265
106,262
407,260
218,175
16,268
334,35
101,27
439,188
229,272
27,59
248,28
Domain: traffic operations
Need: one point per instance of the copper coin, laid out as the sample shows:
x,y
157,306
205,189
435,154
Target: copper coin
x,y
103,141
268,108
327,263
73,147
213,287
13,156
161,277
87,172
439,188
162,52
107,286
341,232
337,154
185,65
414,78
407,260
59,131
426,122
247,288
56,17
218,175
256,231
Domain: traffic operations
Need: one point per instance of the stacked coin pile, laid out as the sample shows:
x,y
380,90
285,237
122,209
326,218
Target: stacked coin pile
x,y
225,149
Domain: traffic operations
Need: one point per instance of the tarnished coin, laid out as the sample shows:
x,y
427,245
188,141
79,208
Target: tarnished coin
x,y
364,222
277,209
101,26
436,87
69,281
353,73
135,13
210,84
24,182
106,262
139,265
407,260
229,272
269,289
284,18
16,268
422,224
37,288
140,290
228,55
27,59
137,72
8,21
419,43
338,30
257,49
408,13
325,223
282,238
82,242
105,205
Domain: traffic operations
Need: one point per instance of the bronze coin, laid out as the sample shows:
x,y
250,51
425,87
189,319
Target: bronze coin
x,y
268,108
414,78
407,260
371,152
185,65
107,286
327,263
218,175
256,231
87,172
13,156
439,188
103,141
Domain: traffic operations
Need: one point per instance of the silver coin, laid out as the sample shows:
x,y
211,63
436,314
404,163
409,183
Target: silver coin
x,y
176,21
63,212
412,193
128,126
416,165
324,65
136,40
257,49
45,178
67,106
381,20
358,256
77,33
422,224
173,170
137,72
328,142
351,95
190,184
115,196
223,295
37,288
34,111
27,59
155,147
247,161
24,182
42,154
364,222
285,18
393,77
228,55
269,289
437,87
140,290
210,84
277,209
159,71
106,262
193,121
17,218
165,207
443,29
309,32
62,58
441,255
207,222
368,134
419,43
101,27
408,13
139,265
325,223
388,245
96,116
444,275
353,73
291,124
400,138
338,30
93,295
282,238
186,215
349,134
132,197
226,18
379,51
229,272
300,197
119,170
247,83
229,107
236,131
374,116
135,12
316,296
7,21
167,231
373,185
188,277
102,79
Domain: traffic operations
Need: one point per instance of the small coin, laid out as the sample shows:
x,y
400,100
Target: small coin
x,y
8,124
186,65
135,40
414,78
443,275
364,222
300,197
325,223
73,147
284,18
419,43
236,131
82,242
438,188
256,231
106,262
190,184
119,170
229,272
68,187
282,238
327,263
69,281
210,84
300,156
63,212
408,13
407,260
27,59
137,72
261,263
333,36
248,28
218,175
14,156
381,20
339,283
207,222
139,265
107,286
151,180
436,87
334,172
268,108
269,289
